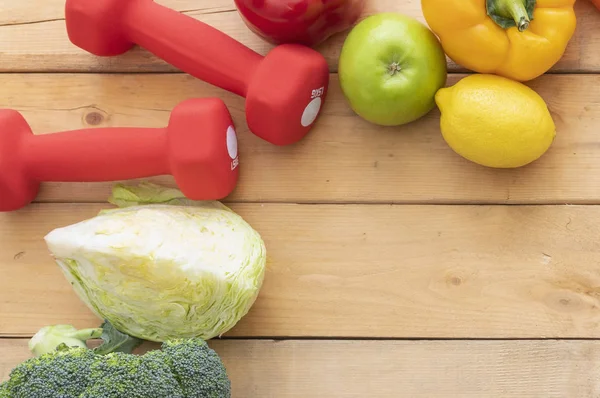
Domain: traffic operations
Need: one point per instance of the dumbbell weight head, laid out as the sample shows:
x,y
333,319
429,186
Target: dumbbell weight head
x,y
203,148
16,189
286,94
94,26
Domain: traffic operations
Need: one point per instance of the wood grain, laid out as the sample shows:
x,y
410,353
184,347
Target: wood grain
x,y
33,37
344,159
386,369
365,271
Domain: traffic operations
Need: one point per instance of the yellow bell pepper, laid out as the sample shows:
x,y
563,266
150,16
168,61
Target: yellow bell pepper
x,y
517,39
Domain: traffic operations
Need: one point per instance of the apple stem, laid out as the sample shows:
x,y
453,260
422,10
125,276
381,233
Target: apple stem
x,y
394,68
511,13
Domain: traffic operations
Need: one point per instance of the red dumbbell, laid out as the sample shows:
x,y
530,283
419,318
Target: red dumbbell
x,y
199,148
284,91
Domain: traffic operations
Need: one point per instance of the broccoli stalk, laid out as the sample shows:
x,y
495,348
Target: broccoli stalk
x,y
61,337
58,337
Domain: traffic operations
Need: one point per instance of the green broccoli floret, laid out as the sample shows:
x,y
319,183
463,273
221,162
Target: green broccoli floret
x,y
124,375
198,368
4,390
58,374
185,368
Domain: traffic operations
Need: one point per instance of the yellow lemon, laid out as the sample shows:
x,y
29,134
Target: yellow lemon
x,y
494,121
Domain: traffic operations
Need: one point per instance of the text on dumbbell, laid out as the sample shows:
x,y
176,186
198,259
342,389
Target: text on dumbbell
x,y
317,93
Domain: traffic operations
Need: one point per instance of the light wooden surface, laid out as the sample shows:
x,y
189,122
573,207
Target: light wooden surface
x,y
344,159
33,37
392,369
365,271
379,239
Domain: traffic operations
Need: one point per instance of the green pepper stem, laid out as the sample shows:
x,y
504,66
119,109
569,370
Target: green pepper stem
x,y
508,13
515,9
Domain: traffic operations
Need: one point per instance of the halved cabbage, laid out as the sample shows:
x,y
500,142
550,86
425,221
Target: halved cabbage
x,y
162,266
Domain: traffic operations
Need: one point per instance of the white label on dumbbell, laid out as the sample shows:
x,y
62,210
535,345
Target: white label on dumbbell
x,y
312,109
232,147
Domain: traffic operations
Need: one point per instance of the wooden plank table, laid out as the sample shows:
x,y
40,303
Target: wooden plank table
x,y
398,269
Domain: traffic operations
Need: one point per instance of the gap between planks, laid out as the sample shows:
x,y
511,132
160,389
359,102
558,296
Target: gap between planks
x,y
276,339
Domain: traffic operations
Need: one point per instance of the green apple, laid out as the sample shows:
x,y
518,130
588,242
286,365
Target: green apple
x,y
390,68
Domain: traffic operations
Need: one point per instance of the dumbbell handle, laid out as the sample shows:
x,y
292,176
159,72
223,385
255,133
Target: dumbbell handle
x,y
98,154
190,45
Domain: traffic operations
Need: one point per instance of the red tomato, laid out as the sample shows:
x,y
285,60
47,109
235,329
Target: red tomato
x,y
307,22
